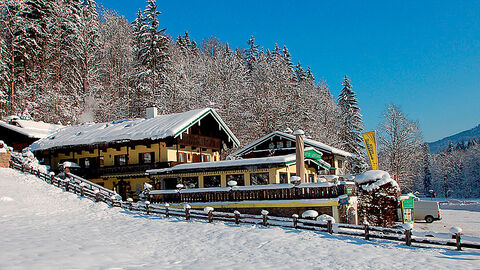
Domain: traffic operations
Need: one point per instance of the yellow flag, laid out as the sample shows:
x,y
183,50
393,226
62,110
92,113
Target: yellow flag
x,y
369,140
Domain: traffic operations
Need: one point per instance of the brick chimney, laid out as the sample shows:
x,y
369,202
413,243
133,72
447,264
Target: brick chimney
x,y
152,112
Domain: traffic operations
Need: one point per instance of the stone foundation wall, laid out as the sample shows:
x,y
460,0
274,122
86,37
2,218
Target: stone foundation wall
x,y
4,160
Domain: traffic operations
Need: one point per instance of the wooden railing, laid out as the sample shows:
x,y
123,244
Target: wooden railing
x,y
73,183
245,193
98,193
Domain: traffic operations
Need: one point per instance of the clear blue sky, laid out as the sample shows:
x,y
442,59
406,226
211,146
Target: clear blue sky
x,y
421,55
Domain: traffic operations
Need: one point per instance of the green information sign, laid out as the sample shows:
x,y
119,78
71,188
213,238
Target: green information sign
x,y
349,190
408,210
313,154
408,203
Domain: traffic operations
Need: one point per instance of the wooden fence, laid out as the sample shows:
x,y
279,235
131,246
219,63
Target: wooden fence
x,y
85,188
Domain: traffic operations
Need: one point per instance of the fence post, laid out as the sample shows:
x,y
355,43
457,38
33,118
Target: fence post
x,y
209,211
187,211
81,189
167,214
329,226
147,204
237,217
97,194
367,229
295,220
457,231
66,184
408,233
113,198
265,217
130,205
52,177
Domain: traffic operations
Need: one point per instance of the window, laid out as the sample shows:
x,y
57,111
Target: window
x,y
271,145
182,157
279,144
101,161
190,182
211,181
138,189
205,158
239,178
120,160
87,162
146,158
283,178
289,144
311,177
259,178
340,163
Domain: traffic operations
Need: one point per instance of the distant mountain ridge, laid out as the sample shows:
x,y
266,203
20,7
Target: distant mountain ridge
x,y
466,135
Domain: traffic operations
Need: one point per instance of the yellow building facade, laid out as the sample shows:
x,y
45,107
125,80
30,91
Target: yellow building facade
x,y
117,154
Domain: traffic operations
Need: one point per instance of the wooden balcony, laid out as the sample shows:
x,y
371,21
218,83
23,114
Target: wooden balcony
x,y
124,169
200,141
246,194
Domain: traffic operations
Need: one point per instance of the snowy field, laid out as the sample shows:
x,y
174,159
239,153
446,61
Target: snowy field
x,y
43,227
465,214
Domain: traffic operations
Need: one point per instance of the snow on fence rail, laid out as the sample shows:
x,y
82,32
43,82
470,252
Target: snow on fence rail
x,y
83,187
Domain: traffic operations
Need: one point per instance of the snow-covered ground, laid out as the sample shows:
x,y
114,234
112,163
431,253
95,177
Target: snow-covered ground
x,y
42,227
465,214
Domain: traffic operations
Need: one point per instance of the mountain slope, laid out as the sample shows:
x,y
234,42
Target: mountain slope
x,y
466,135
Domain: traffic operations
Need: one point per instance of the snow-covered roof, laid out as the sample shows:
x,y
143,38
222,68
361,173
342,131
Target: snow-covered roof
x,y
308,142
159,127
32,129
285,159
226,164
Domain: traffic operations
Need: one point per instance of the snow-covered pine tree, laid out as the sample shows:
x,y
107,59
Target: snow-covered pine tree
x,y
300,73
116,67
4,77
153,55
351,134
251,53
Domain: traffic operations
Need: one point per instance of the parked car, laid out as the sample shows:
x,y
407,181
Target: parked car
x,y
426,210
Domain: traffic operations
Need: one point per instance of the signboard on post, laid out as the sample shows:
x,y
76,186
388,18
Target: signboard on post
x,y
349,190
371,146
408,210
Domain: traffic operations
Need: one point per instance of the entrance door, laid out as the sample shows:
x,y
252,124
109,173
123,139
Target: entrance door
x,y
170,183
122,189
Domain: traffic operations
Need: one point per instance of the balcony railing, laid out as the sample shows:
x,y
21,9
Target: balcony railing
x,y
121,169
200,141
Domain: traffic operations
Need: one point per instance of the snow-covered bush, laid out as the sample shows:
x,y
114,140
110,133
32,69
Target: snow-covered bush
x,y
325,218
311,214
27,158
378,194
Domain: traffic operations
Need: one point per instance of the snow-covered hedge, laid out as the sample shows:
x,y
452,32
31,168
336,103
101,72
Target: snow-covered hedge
x,y
374,179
